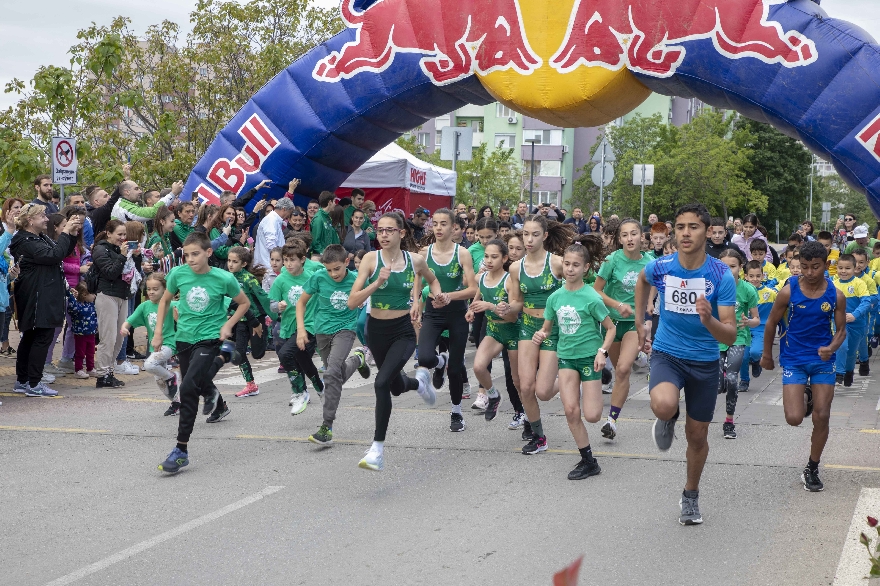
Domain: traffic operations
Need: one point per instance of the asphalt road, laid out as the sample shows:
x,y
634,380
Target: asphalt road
x,y
83,502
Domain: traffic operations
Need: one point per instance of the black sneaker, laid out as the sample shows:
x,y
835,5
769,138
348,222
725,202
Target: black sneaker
x,y
135,355
808,393
322,437
729,430
848,378
756,369
364,368
585,469
108,382
171,387
811,480
606,376
527,433
492,407
439,377
457,422
219,413
174,409
838,379
538,444
211,402
864,369
116,382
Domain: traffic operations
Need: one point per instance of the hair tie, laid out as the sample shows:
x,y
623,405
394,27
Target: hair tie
x,y
578,242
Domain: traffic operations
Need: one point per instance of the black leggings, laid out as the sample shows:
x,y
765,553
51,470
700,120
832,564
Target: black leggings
x,y
31,356
295,360
434,321
197,368
392,342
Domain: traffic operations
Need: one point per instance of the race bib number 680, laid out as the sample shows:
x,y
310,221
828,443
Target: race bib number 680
x,y
682,294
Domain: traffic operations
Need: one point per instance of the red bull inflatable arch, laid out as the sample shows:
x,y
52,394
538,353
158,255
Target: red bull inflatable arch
x,y
567,62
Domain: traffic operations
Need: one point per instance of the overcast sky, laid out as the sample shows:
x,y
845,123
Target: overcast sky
x,y
39,32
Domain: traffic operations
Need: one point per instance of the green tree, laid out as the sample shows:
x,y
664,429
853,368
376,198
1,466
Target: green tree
x,y
780,169
155,99
843,200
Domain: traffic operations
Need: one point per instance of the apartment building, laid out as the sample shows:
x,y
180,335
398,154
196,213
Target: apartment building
x,y
559,153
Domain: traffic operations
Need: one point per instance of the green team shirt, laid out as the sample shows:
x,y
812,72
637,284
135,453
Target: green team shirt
x,y
578,315
746,299
312,266
349,212
288,288
478,251
201,310
869,247
621,275
332,313
145,316
323,234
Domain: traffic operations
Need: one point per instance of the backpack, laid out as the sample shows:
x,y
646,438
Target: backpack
x,y
91,279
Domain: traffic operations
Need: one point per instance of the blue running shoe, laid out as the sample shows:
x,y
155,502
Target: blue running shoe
x,y
176,460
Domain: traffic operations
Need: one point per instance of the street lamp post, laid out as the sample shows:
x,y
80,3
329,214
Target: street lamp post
x,y
532,175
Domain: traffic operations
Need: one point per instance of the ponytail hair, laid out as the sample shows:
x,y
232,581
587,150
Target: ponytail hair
x,y
590,247
246,256
559,236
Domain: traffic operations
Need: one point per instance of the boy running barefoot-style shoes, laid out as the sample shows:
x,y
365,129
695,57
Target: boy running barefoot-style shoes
x,y
299,402
176,460
372,460
584,469
364,368
322,437
249,390
811,481
690,508
426,389
609,430
664,433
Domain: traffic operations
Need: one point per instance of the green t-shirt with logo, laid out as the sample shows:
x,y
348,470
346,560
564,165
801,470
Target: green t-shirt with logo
x,y
746,299
288,288
621,275
578,315
478,251
145,316
332,313
201,310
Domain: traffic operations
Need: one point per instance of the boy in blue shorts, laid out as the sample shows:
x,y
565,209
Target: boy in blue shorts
x,y
697,299
754,270
814,311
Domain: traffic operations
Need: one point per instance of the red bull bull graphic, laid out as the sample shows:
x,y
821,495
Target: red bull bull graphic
x,y
480,37
567,62
648,37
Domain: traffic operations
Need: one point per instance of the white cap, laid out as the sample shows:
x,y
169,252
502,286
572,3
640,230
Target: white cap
x,y
860,232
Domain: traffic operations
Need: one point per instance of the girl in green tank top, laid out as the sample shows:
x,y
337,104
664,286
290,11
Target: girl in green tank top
x,y
616,283
532,281
396,291
493,299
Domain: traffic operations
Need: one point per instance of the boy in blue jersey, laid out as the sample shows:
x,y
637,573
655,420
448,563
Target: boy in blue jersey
x,y
766,297
758,250
858,305
815,315
697,298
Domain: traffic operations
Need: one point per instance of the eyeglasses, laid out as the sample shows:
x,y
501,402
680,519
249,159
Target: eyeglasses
x,y
849,219
388,231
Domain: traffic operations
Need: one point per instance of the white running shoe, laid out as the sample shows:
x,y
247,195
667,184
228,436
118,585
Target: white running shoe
x,y
126,368
372,460
642,360
81,374
517,421
481,403
609,430
299,403
47,378
426,389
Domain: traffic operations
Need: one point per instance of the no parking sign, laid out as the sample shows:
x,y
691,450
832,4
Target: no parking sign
x,y
64,163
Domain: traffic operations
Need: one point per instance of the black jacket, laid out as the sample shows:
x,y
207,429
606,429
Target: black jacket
x,y
109,263
41,286
100,216
715,250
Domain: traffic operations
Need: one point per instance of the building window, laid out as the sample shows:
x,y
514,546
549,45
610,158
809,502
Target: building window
x,y
203,71
507,141
551,137
547,197
438,138
502,111
424,139
549,168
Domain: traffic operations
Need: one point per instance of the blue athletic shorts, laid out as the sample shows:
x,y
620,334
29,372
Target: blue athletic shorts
x,y
698,379
817,373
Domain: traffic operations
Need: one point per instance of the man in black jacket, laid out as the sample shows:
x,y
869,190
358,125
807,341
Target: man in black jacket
x,y
717,241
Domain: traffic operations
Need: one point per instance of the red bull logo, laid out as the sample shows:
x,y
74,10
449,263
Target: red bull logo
x,y
457,40
259,143
869,137
647,37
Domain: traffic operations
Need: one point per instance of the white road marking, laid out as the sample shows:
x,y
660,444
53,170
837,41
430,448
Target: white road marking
x,y
149,543
854,566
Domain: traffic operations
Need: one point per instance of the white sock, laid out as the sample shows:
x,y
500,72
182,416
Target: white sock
x,y
492,392
378,447
456,409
